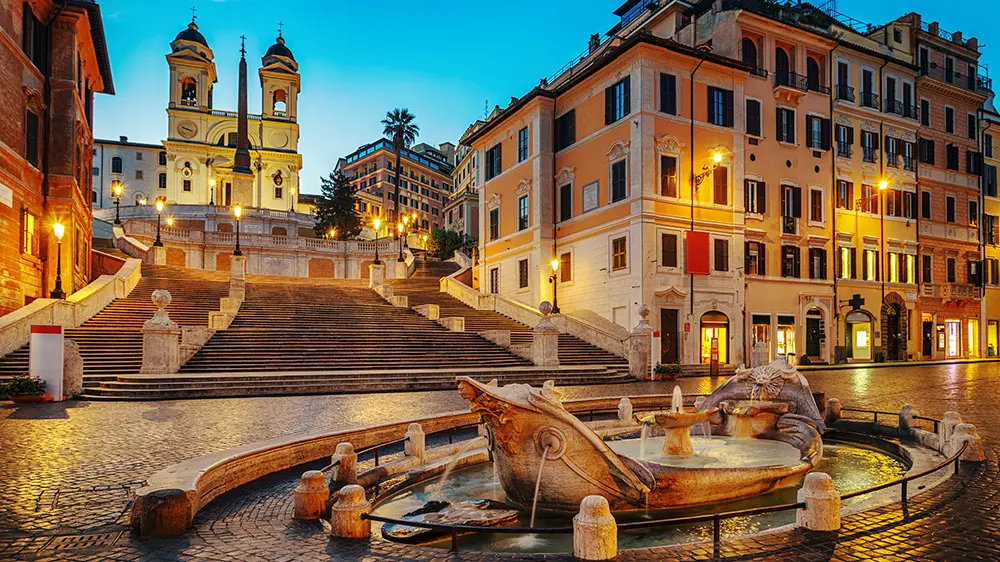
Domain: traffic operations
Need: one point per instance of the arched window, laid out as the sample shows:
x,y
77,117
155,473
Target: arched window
x,y
812,74
116,165
781,65
93,197
749,54
278,105
189,91
140,199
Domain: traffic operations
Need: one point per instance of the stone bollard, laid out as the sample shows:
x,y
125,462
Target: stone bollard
x,y
238,278
832,412
907,420
822,511
345,462
376,275
545,339
639,344
967,433
311,496
345,514
595,533
159,255
72,369
414,445
161,339
947,427
625,410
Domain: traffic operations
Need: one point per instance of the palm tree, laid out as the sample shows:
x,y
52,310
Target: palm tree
x,y
399,126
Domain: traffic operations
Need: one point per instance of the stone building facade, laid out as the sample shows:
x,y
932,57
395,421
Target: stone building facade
x,y
54,59
142,169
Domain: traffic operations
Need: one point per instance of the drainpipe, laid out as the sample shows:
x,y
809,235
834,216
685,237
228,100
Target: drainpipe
x,y
691,151
881,197
835,253
46,72
983,321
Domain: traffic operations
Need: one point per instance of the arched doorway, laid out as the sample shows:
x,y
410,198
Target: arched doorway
x,y
814,334
859,335
812,74
891,331
894,327
781,65
714,326
749,52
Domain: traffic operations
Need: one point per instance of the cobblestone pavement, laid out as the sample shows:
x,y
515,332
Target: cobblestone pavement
x,y
68,472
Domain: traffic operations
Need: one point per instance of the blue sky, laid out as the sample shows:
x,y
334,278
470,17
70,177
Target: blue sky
x,y
443,62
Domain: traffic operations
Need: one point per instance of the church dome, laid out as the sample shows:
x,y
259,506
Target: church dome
x,y
192,34
279,49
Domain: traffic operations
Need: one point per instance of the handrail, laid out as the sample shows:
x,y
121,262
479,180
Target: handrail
x,y
715,518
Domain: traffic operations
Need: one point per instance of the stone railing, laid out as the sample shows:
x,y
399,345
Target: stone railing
x,y
128,244
148,212
463,261
15,328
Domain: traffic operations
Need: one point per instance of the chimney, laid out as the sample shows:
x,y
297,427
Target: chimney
x,y
123,139
973,44
595,42
933,27
956,36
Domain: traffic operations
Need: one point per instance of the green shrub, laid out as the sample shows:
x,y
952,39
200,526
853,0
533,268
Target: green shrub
x,y
672,369
23,384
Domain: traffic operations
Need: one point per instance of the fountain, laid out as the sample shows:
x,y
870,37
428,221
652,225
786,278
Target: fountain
x,y
677,423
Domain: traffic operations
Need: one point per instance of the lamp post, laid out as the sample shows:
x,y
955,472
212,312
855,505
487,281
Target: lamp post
x,y
403,233
399,228
376,223
211,187
238,211
159,213
59,230
292,191
553,280
116,192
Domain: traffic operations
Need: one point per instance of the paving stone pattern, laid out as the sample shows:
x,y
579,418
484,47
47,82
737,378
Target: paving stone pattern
x,y
68,472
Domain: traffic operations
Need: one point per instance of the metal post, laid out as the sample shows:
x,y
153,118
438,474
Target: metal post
x,y
57,292
454,542
376,456
118,204
237,251
158,243
716,535
376,262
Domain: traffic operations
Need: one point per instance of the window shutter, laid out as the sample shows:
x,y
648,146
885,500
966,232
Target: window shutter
x,y
670,250
725,255
809,140
761,260
854,263
753,117
761,198
609,108
718,256
628,96
779,131
797,202
822,264
850,135
746,257
878,261
913,207
728,110
790,133
875,140
721,179
824,125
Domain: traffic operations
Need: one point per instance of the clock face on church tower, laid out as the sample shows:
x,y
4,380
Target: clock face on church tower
x,y
187,129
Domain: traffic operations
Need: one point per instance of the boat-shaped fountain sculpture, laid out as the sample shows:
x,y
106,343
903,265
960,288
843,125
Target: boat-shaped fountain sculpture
x,y
530,432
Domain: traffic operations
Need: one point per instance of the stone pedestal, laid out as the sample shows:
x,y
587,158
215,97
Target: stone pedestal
x,y
414,445
400,301
639,344
376,275
238,278
822,511
161,339
159,254
832,412
72,369
545,339
595,533
243,187
966,433
311,496
345,462
429,311
346,511
163,513
453,323
625,410
402,272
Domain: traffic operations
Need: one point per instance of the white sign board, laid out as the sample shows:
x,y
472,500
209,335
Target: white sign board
x,y
45,358
6,195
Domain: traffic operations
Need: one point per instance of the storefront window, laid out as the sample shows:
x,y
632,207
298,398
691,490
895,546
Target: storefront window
x,y
762,332
859,330
786,335
992,337
973,337
714,325
953,328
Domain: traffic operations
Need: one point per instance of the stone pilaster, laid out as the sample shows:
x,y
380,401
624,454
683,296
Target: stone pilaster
x,y
545,339
161,339
639,344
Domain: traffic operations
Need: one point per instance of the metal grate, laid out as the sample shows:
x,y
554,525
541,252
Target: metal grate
x,y
80,542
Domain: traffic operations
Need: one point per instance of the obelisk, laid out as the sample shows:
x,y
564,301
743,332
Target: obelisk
x,y
242,173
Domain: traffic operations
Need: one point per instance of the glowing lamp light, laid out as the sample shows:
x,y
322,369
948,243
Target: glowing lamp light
x,y
377,223
406,220
555,265
883,184
116,188
399,227
717,157
59,230
211,183
159,205
238,211
170,221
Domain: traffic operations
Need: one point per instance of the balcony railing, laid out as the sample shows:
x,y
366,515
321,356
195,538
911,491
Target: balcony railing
x,y
910,111
783,78
893,106
868,99
757,71
870,154
789,225
959,291
845,92
843,149
909,163
892,160
814,86
974,83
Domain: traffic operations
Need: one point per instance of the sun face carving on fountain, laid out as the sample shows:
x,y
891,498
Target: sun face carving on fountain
x,y
766,381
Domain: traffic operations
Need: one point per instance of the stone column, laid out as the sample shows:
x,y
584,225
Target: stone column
x,y
346,464
311,496
822,511
414,444
625,410
238,277
161,339
72,369
639,345
346,511
376,275
545,339
595,533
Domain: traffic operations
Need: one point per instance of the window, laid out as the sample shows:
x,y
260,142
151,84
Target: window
x,y
870,266
925,266
990,180
894,203
720,107
720,178
753,117
973,163
949,120
721,247
845,195
278,192
909,205
522,212
973,126
988,145
816,206
925,113
950,208
755,258
138,174
748,52
522,274
619,259
910,269
790,261
31,137
951,157
566,130
29,236
668,94
818,130
187,185
163,158
847,259
493,161
34,38
566,268
189,91
566,202
925,151
618,186
786,125
817,263
668,250
522,145
617,101
952,276
973,212
494,224
892,271
755,196
791,201
668,176
116,165
495,280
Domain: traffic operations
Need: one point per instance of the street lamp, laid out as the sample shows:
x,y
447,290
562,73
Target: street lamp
x,y
116,192
552,279
170,221
376,223
292,191
399,228
238,211
159,212
59,230
331,233
406,227
211,186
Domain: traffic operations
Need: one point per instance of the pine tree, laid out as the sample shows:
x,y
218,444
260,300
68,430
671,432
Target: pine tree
x,y
336,208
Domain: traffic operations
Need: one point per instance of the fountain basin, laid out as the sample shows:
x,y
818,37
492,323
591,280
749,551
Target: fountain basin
x,y
676,426
748,419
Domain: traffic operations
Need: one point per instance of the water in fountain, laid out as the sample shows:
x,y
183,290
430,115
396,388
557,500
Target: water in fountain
x,y
643,436
538,485
454,461
677,400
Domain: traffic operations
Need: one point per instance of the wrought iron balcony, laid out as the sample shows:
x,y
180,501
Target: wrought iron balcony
x,y
843,149
783,78
892,160
789,225
757,71
893,106
868,99
870,154
845,92
909,163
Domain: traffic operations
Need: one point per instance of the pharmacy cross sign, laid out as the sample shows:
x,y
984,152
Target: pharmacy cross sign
x,y
856,302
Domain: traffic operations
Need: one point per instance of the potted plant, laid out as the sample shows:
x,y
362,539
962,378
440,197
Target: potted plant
x,y
22,389
669,372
